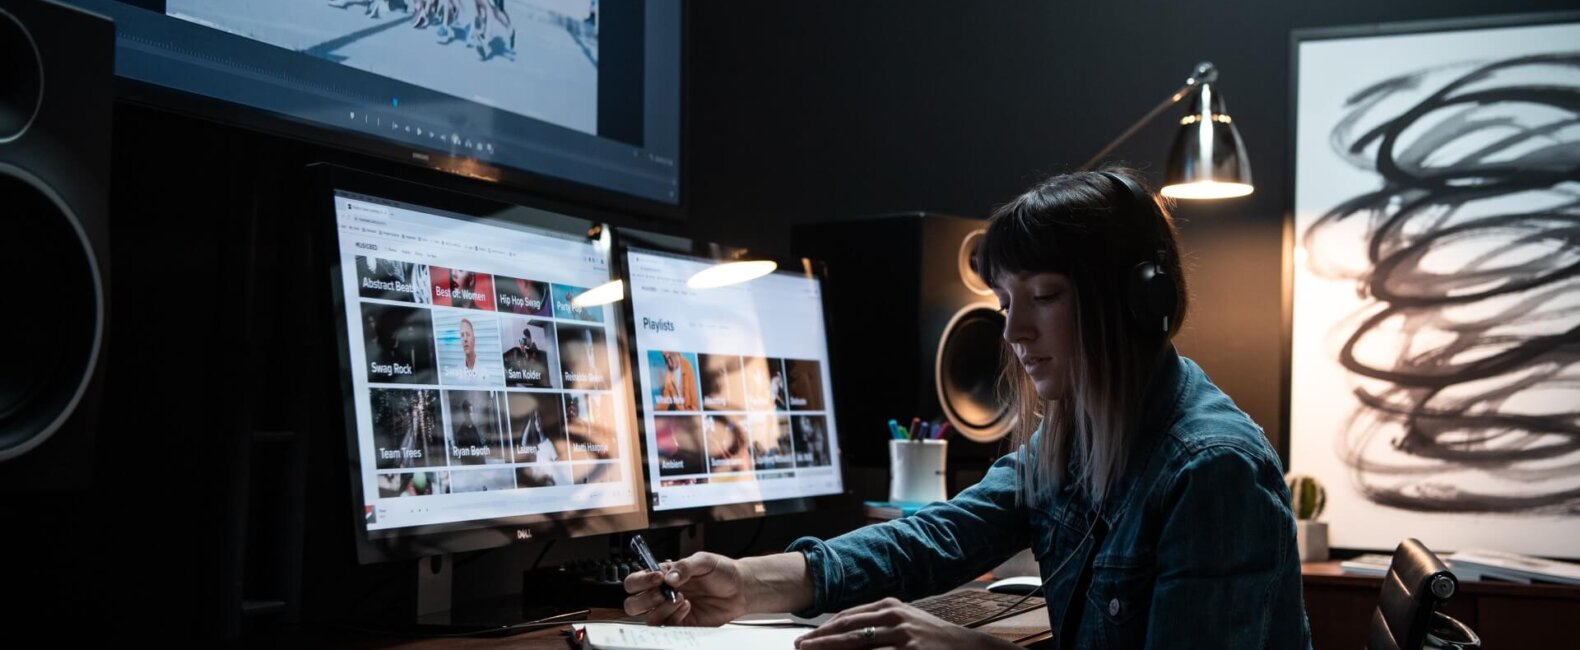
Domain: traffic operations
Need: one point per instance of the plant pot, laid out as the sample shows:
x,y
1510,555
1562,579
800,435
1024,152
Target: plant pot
x,y
1311,537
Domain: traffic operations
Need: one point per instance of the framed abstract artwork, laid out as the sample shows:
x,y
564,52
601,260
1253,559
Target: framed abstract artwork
x,y
1433,282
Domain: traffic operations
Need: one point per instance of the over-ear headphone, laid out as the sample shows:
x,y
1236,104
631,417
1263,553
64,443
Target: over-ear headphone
x,y
1151,293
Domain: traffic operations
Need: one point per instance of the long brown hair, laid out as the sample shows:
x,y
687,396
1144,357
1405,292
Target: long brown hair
x,y
1094,231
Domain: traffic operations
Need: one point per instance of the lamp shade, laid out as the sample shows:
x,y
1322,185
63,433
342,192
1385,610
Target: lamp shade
x,y
1208,158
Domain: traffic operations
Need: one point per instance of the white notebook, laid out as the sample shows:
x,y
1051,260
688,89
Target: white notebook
x,y
1513,566
628,636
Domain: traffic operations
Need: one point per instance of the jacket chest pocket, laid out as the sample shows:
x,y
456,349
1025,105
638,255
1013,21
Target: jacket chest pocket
x,y
1120,598
1044,531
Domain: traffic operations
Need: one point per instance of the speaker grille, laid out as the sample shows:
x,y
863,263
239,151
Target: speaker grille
x,y
969,385
21,78
52,345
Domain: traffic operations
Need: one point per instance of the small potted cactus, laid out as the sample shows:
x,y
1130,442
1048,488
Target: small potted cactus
x,y
1307,499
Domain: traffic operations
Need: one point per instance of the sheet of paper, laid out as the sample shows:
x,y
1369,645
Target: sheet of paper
x,y
624,636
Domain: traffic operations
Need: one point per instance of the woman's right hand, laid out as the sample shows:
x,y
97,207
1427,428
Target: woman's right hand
x,y
708,590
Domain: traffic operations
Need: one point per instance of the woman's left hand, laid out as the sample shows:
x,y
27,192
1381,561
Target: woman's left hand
x,y
891,623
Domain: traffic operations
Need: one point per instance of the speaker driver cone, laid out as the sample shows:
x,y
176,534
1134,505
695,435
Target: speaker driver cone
x,y
967,374
53,335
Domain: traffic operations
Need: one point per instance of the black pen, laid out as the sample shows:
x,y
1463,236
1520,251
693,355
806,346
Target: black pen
x,y
639,546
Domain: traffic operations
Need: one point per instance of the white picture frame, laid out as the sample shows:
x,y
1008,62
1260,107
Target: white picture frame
x,y
1433,282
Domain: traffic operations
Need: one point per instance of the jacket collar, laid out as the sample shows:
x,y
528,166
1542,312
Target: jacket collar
x,y
1169,383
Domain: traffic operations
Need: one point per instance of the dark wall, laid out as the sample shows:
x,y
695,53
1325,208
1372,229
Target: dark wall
x,y
823,110
800,111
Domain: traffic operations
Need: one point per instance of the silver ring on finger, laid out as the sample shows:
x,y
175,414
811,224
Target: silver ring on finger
x,y
868,632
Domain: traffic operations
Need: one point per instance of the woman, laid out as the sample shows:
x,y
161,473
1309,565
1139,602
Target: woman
x,y
1156,508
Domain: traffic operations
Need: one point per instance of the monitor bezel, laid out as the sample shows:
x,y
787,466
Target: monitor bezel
x,y
310,132
627,240
415,542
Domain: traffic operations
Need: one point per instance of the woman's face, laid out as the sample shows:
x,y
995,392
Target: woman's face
x,y
1039,325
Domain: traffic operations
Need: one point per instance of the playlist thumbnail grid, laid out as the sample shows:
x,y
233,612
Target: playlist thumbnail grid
x,y
720,418
478,383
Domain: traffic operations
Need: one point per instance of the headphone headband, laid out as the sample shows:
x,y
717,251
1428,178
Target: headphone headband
x,y
1133,192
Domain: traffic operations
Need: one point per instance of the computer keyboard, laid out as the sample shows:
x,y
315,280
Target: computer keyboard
x,y
973,607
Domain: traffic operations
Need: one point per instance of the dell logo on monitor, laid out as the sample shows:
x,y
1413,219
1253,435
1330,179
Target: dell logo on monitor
x,y
524,533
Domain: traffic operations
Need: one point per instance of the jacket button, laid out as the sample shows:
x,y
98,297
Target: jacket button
x,y
1113,607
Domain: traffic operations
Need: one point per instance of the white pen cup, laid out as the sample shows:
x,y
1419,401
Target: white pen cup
x,y
916,470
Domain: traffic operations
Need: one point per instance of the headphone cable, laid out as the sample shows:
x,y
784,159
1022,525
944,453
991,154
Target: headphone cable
x,y
1057,569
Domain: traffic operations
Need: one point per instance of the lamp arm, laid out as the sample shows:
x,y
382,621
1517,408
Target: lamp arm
x,y
1205,72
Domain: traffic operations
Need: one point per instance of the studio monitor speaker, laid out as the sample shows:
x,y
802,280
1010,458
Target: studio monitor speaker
x,y
56,64
915,332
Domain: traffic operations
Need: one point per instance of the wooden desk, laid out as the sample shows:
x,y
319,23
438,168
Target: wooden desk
x,y
1505,614
1339,605
1029,629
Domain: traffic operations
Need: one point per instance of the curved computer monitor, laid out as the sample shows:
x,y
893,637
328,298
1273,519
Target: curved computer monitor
x,y
733,387
486,403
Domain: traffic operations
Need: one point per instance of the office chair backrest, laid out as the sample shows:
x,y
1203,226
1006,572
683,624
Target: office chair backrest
x,y
1417,582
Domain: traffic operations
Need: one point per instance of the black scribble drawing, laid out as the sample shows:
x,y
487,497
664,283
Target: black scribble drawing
x,y
1465,353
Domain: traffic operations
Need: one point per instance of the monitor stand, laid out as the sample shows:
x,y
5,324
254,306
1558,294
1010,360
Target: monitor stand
x,y
437,614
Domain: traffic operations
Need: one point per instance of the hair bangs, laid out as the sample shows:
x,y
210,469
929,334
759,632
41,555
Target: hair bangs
x,y
1017,242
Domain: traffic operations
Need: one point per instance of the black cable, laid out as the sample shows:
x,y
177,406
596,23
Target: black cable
x,y
1056,569
542,553
1152,378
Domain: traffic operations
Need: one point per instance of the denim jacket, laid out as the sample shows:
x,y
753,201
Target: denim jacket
x,y
1198,550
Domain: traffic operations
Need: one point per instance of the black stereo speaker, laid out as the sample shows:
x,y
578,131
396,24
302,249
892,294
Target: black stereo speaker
x,y
915,333
56,64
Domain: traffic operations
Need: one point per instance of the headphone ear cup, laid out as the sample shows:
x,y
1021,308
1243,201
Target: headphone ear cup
x,y
1152,297
1151,293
